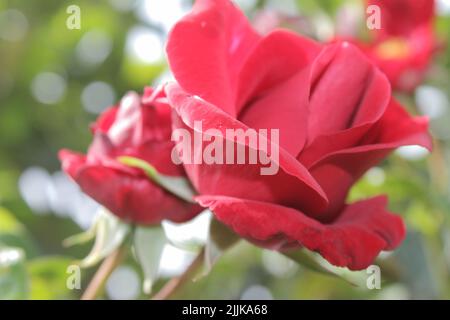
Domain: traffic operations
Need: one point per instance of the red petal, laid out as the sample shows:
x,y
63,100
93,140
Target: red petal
x,y
71,161
132,198
338,171
274,87
399,17
347,91
136,124
277,57
105,120
283,108
354,240
243,180
397,128
206,50
326,144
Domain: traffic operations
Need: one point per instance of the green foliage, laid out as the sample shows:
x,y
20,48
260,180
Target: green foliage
x,y
13,275
48,277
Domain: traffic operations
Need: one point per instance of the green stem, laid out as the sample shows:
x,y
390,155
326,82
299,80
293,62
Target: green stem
x,y
108,265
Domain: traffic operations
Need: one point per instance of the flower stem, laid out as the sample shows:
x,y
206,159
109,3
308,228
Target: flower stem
x,y
176,283
104,271
437,167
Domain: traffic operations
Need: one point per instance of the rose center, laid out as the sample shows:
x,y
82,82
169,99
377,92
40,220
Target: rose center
x,y
394,48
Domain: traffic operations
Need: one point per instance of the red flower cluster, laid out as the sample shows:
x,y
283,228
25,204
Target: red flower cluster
x,y
405,44
336,119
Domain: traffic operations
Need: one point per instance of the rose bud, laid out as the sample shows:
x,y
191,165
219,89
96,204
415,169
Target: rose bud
x,y
138,127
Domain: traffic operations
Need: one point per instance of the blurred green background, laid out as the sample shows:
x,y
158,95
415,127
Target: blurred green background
x,y
55,81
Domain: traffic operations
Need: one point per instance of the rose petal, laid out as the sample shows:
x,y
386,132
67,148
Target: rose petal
x,y
283,108
241,180
354,240
277,57
105,120
347,91
132,198
274,86
71,161
338,171
207,48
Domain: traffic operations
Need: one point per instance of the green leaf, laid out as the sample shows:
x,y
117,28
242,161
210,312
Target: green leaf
x,y
110,233
316,263
418,271
13,275
48,277
220,239
8,223
149,244
307,260
176,185
13,234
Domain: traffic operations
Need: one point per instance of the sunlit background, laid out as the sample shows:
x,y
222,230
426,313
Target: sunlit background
x,y
54,82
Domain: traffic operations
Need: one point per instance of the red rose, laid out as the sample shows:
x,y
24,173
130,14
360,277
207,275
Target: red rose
x,y
336,119
399,17
405,44
141,128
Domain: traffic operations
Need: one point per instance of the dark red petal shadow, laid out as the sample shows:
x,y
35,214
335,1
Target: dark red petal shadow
x,y
131,197
285,187
354,240
338,171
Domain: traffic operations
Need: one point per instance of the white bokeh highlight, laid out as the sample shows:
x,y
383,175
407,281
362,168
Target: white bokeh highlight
x,y
13,25
93,48
278,265
48,87
32,184
56,193
443,7
375,176
123,284
412,153
163,14
174,261
257,292
193,231
431,101
97,96
144,45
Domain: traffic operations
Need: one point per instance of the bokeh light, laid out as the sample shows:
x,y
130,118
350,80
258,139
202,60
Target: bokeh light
x,y
32,186
48,87
123,284
13,25
145,45
412,153
94,47
97,96
431,101
257,292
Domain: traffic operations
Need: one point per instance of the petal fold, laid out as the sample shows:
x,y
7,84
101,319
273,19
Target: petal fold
x,y
362,231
